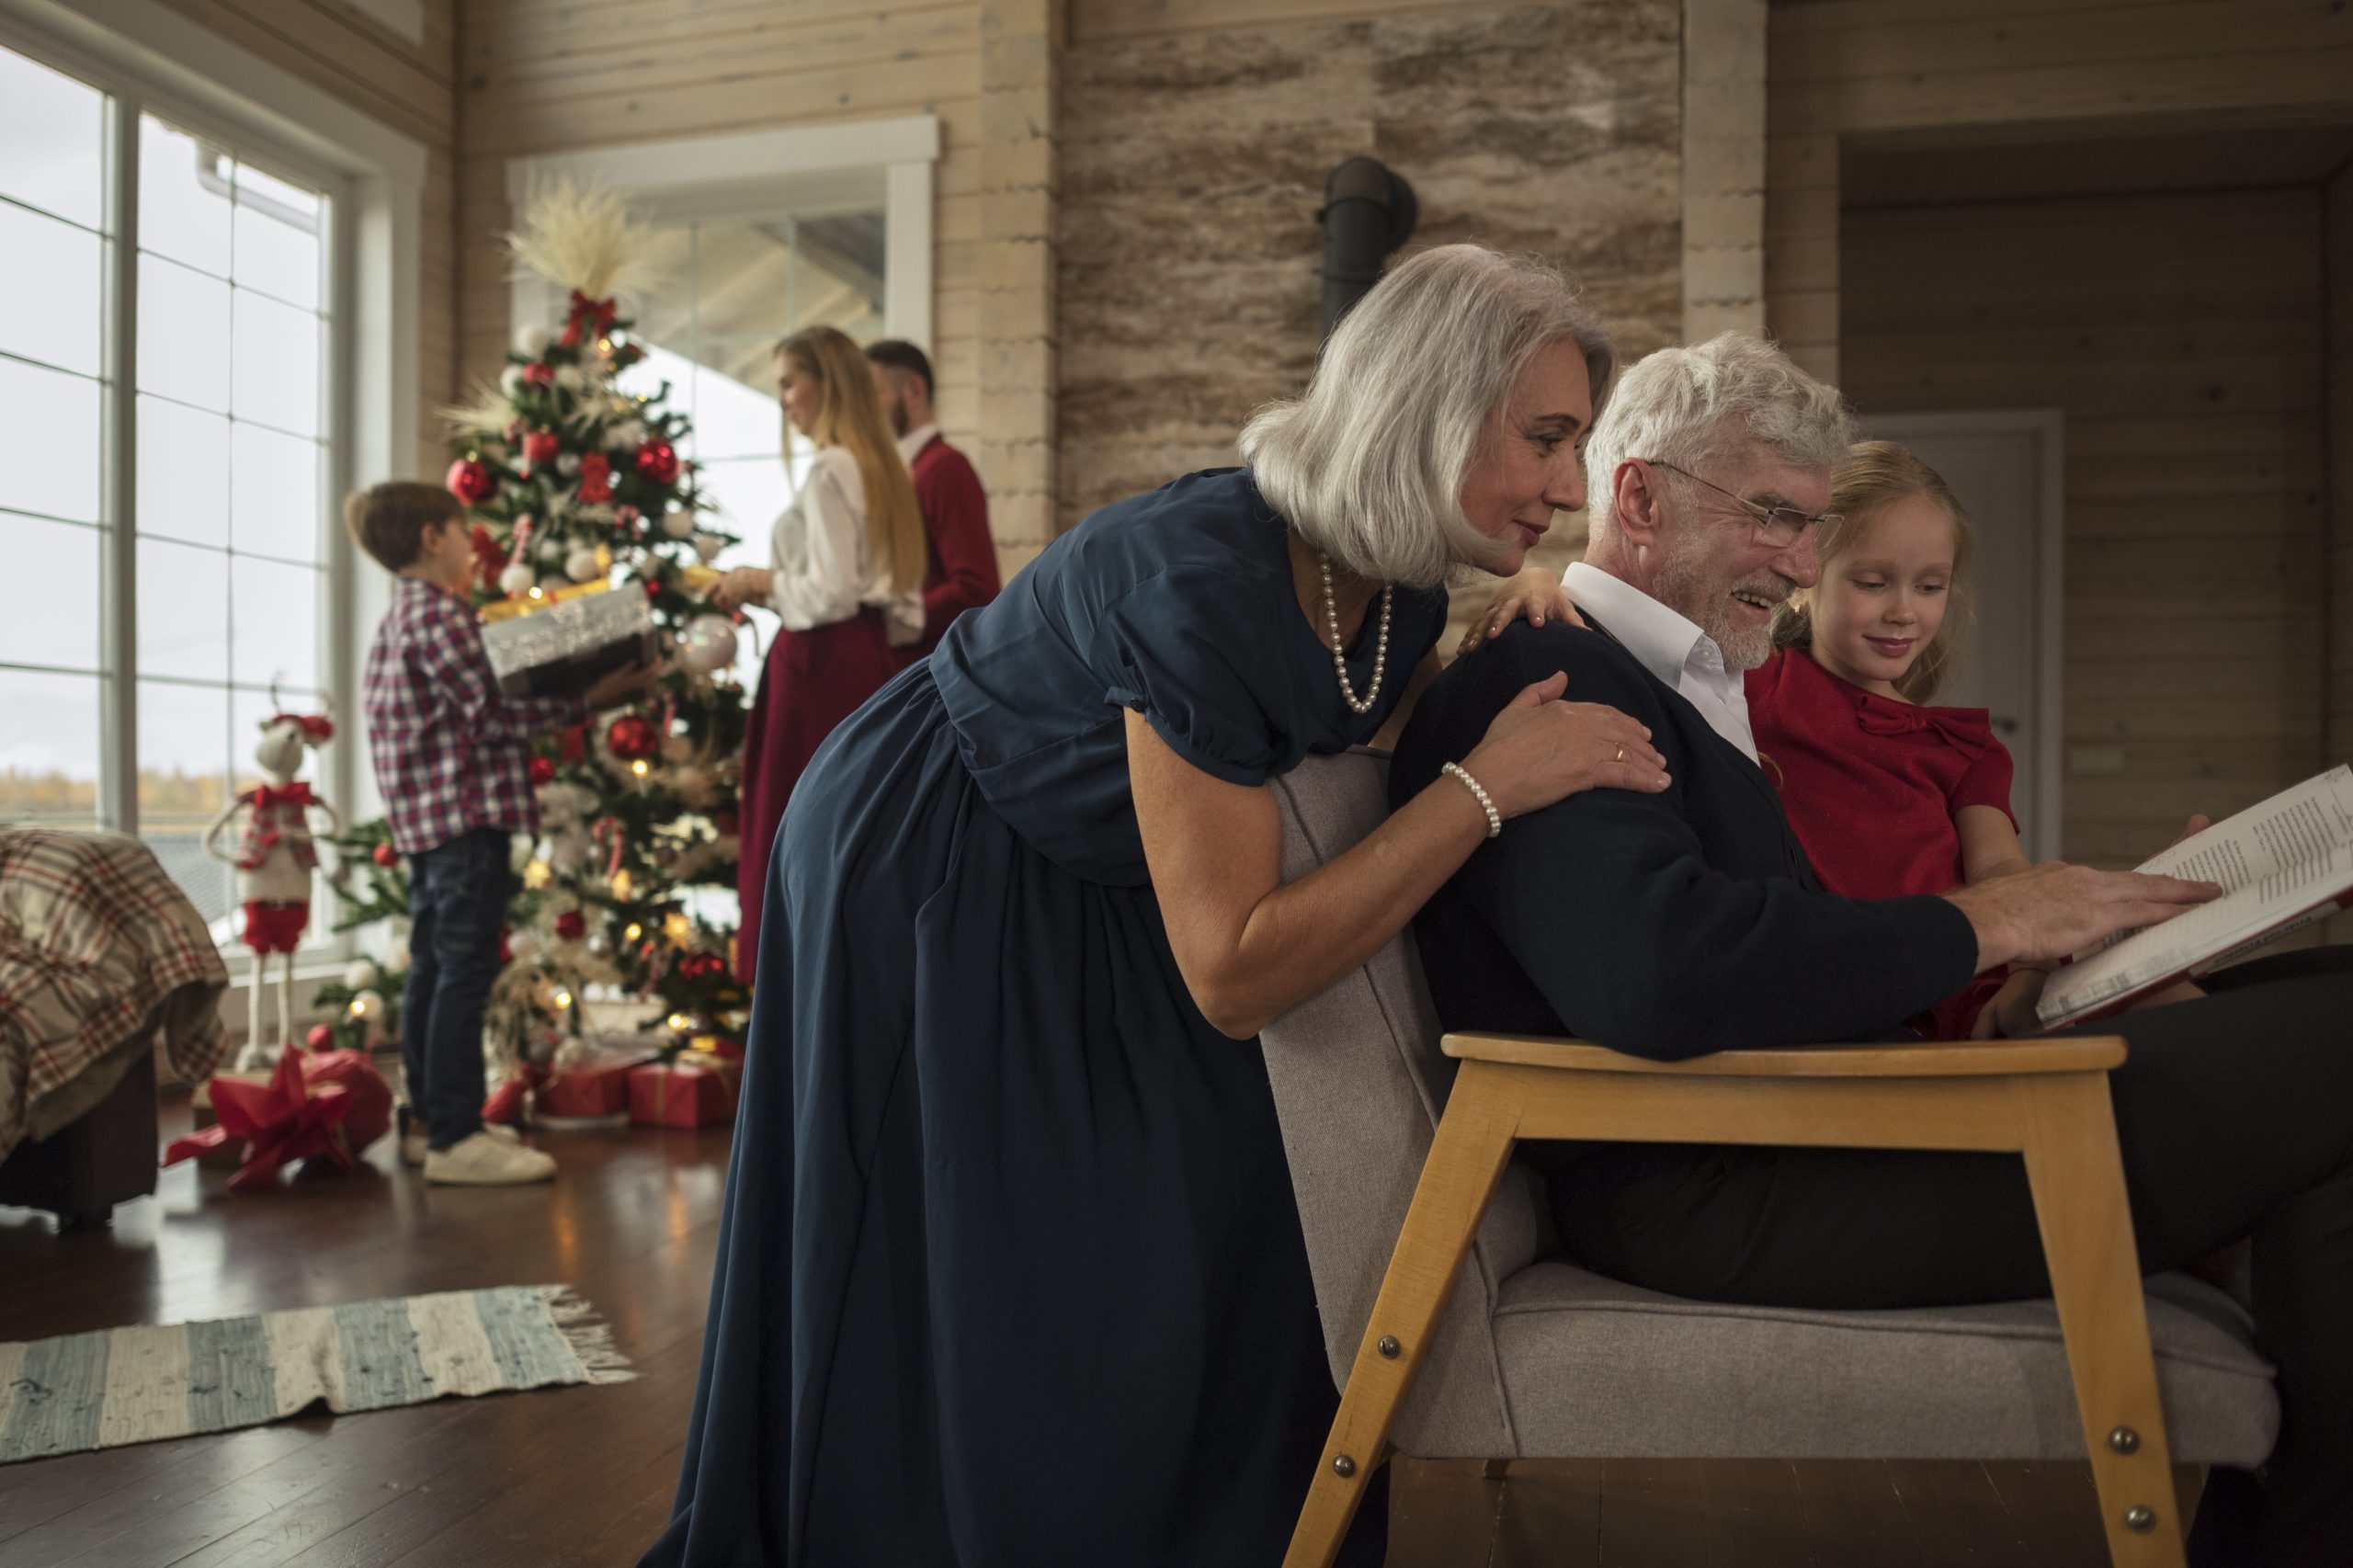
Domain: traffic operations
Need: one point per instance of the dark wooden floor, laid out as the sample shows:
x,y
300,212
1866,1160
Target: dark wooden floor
x,y
584,1476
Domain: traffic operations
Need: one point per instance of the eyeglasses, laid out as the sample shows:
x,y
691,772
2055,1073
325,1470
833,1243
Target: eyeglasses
x,y
1777,526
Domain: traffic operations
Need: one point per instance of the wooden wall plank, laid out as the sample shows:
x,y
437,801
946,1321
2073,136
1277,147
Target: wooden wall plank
x,y
2196,474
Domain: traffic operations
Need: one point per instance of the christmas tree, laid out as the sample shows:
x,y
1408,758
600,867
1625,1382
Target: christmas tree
x,y
573,487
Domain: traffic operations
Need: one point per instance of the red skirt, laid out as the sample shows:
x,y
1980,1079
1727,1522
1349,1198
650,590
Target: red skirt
x,y
810,682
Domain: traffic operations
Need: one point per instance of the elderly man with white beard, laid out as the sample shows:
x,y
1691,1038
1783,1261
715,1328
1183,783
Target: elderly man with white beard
x,y
1667,925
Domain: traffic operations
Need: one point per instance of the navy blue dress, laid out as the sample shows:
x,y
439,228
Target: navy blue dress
x,y
1009,1271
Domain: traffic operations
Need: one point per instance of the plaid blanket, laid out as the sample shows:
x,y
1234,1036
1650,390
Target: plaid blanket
x,y
99,951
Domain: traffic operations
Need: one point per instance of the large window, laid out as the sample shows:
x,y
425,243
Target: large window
x,y
165,371
734,287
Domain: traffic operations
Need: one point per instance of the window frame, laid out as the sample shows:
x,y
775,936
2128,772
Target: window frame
x,y
147,60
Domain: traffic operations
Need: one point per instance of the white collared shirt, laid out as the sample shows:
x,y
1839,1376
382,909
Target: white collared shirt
x,y
1670,647
916,440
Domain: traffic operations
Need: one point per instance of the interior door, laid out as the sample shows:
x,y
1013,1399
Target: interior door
x,y
2005,466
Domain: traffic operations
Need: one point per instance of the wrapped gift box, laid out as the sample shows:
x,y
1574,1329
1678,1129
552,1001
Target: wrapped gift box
x,y
560,648
695,1090
326,1104
592,1092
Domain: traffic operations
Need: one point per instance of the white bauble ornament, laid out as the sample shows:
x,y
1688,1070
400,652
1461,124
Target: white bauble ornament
x,y
567,463
708,546
518,579
359,975
693,785
510,380
396,962
677,524
708,643
366,1004
532,342
582,566
522,946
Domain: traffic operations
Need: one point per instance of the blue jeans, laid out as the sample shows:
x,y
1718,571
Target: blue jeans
x,y
457,905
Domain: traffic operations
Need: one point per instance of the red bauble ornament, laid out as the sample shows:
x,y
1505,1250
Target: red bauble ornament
x,y
542,769
385,855
539,374
596,478
506,951
470,481
653,589
632,739
657,462
540,446
571,925
321,1037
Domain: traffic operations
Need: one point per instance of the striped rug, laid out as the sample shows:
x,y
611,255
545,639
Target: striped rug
x,y
136,1385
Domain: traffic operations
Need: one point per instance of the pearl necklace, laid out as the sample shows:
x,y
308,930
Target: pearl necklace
x,y
1340,659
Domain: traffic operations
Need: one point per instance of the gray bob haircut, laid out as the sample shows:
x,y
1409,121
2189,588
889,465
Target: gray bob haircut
x,y
1695,405
1369,465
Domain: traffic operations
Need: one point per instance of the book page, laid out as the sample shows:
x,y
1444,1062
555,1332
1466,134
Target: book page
x,y
2274,863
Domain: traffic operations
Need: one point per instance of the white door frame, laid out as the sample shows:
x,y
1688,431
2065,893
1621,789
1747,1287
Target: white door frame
x,y
765,171
2048,623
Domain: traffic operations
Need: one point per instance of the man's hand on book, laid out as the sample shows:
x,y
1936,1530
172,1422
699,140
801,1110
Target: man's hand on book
x,y
2053,910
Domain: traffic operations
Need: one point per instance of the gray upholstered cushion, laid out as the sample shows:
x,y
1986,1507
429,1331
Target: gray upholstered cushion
x,y
1534,1356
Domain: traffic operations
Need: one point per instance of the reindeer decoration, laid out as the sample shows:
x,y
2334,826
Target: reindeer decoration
x,y
275,856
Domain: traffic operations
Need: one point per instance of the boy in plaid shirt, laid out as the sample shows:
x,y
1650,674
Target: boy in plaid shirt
x,y
456,781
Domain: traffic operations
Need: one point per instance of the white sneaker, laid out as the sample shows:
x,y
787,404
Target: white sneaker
x,y
484,1160
414,1144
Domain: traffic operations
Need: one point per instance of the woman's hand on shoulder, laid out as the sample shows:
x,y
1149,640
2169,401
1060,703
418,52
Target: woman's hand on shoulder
x,y
1541,749
1534,594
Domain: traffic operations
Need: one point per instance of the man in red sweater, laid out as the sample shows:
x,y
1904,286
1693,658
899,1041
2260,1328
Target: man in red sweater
x,y
955,510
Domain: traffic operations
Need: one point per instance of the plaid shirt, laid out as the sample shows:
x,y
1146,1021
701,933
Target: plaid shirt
x,y
448,747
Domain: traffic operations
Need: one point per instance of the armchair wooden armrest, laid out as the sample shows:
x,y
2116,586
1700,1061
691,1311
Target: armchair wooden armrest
x,y
1943,1059
2046,1100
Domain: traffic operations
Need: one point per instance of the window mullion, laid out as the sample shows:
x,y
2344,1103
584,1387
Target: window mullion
x,y
118,691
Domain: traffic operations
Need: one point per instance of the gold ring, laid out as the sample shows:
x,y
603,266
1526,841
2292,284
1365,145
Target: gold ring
x,y
1620,756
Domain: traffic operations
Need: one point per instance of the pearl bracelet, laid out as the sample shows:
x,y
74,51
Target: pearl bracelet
x,y
1495,817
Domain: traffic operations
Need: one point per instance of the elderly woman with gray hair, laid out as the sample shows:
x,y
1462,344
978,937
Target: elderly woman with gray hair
x,y
1009,1272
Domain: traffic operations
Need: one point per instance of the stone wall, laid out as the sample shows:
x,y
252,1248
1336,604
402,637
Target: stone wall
x,y
1193,165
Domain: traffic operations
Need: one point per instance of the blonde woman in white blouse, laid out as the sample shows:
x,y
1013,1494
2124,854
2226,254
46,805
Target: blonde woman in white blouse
x,y
847,585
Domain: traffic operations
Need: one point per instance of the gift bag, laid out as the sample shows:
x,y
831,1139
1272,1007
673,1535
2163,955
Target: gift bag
x,y
326,1104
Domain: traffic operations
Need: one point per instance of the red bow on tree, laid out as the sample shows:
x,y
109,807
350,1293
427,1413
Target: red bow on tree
x,y
598,313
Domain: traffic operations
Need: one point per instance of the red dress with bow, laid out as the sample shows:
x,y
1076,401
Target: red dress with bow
x,y
1872,787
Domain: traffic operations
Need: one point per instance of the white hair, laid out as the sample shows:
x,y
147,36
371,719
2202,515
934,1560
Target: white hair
x,y
1691,406
1368,466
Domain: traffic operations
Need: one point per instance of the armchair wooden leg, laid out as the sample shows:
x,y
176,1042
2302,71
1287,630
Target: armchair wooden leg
x,y
2079,1201
1474,1138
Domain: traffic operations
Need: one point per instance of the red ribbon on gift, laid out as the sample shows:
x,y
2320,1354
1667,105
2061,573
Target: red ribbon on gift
x,y
599,313
287,1118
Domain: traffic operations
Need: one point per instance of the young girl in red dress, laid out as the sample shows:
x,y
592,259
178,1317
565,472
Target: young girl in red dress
x,y
1891,796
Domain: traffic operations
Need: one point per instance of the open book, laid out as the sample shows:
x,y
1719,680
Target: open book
x,y
2282,864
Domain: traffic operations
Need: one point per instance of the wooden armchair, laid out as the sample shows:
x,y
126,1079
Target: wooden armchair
x,y
1475,1342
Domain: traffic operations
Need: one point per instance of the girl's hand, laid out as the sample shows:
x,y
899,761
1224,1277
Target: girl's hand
x,y
1534,593
1542,749
742,585
2010,1013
